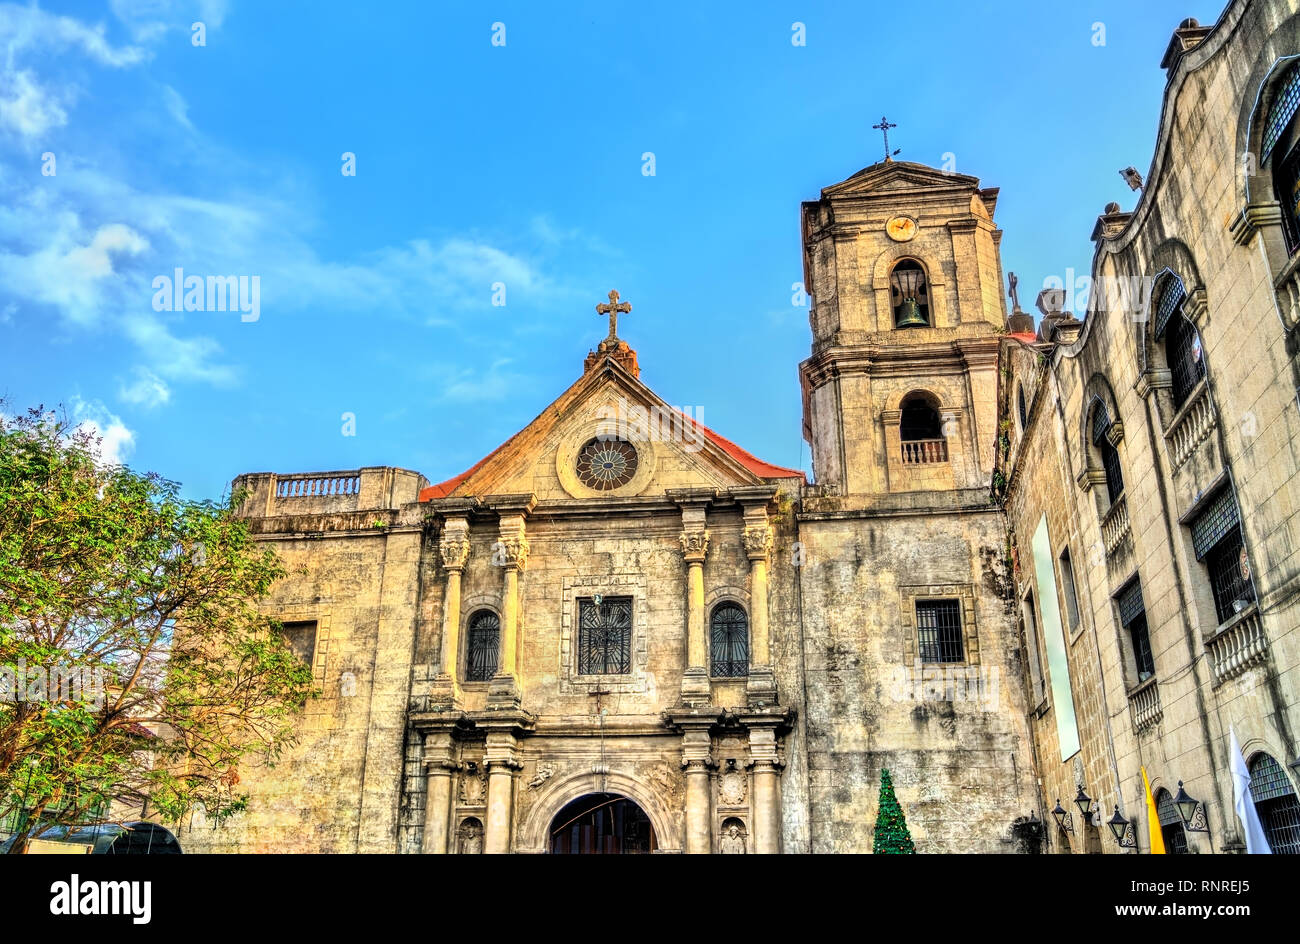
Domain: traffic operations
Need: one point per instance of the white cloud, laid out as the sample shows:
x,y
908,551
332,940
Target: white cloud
x,y
149,19
116,441
29,108
74,277
147,389
24,28
177,107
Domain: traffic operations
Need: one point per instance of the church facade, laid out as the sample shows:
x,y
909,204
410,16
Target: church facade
x,y
621,632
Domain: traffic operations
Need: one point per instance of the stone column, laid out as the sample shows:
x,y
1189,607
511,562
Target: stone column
x,y
438,769
694,540
454,549
695,681
766,763
761,686
510,553
499,758
757,539
697,761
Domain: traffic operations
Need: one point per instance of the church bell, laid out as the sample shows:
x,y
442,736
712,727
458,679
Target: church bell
x,y
909,285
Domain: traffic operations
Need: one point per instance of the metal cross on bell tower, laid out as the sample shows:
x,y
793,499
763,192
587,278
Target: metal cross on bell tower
x,y
613,309
884,127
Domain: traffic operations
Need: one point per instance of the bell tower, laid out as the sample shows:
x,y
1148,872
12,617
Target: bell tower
x,y
902,264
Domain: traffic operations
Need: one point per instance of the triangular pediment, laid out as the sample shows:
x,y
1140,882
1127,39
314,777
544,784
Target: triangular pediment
x,y
888,176
671,449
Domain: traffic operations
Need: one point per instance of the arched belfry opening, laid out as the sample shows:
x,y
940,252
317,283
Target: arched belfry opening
x,y
909,295
602,824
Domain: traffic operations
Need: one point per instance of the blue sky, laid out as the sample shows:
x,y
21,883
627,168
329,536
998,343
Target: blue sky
x,y
478,163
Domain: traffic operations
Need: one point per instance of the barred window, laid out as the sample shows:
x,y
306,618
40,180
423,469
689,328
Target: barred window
x,y
1280,113
1171,824
1101,424
605,636
1133,617
938,627
729,641
1185,357
1279,141
1275,801
484,645
1216,538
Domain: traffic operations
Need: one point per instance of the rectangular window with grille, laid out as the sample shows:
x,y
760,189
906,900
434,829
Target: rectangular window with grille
x,y
1216,538
938,627
1133,617
605,636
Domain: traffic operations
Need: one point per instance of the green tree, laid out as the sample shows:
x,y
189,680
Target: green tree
x,y
892,836
135,666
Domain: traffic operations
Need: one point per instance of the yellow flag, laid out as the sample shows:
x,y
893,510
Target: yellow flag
x,y
1153,819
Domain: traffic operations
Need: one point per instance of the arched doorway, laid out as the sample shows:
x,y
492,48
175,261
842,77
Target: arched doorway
x,y
603,824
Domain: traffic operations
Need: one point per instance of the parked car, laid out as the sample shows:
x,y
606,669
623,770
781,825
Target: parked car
x,y
139,838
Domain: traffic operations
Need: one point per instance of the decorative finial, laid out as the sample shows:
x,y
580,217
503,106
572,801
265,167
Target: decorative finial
x,y
884,127
613,309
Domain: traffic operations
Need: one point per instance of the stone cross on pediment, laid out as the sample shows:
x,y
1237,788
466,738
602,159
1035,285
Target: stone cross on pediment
x,y
613,309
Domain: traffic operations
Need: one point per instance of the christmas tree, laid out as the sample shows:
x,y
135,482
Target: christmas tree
x,y
891,826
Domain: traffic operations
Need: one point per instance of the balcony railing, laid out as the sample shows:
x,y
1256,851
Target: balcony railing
x,y
318,485
1145,702
924,451
1115,527
1194,422
1238,646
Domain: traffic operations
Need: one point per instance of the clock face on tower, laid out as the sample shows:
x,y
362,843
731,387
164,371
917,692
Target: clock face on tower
x,y
901,228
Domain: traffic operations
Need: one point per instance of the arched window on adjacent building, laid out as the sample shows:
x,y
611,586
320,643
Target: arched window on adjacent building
x,y
1171,824
1217,541
1182,343
909,295
920,431
484,644
1133,618
729,641
1279,151
1109,455
1020,407
1276,804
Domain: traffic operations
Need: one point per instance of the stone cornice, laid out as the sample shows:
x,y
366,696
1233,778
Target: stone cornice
x,y
520,504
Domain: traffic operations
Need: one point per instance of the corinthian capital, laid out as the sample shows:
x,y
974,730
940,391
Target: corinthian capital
x,y
695,544
454,551
758,541
511,551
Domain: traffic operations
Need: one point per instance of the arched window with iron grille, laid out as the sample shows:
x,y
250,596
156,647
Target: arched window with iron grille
x,y
1171,824
1183,353
1276,804
484,645
1280,151
729,641
1101,424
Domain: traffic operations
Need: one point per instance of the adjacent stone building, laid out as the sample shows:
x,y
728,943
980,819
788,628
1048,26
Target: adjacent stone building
x,y
1030,564
1148,463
